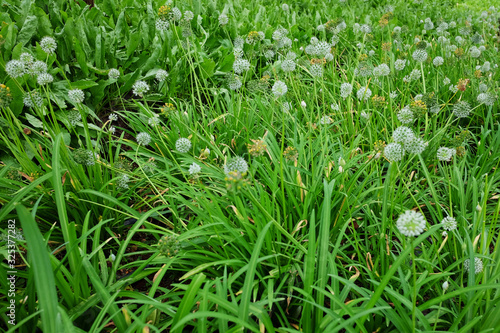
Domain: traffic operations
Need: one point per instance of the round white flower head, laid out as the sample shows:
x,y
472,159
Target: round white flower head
x,y
329,57
279,89
241,65
140,88
223,19
403,135
446,81
419,55
237,164
461,109
74,117
449,223
475,52
364,93
445,285
114,73
161,75
143,139
183,145
411,223
393,95
325,120
113,117
122,182
176,14
394,152
438,61
285,7
44,78
400,64
486,98
316,70
406,116
483,88
37,67
417,146
345,90
381,70
32,99
303,104
15,68
48,44
162,25
76,96
188,15
26,58
445,154
478,265
194,169
154,120
288,65
234,82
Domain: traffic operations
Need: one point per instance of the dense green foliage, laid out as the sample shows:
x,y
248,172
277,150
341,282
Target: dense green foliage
x,y
253,166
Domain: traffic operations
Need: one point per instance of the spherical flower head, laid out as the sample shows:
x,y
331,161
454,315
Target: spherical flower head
x,y
461,109
279,88
325,120
183,145
364,93
417,146
162,24
161,75
113,117
188,15
44,78
411,223
445,154
223,19
415,75
329,57
37,67
26,58
154,120
400,64
449,223
143,139
303,104
114,74
84,157
445,285
478,265
316,70
345,90
15,68
394,152
48,44
393,95
322,48
140,88
122,182
381,70
76,96
176,14
237,164
285,7
486,67
194,169
288,65
406,116
234,82
438,61
169,245
32,99
446,81
475,52
419,55
486,98
74,117
403,135
241,65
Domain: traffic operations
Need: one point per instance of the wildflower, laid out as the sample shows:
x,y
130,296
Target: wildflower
x,y
478,265
288,65
143,139
257,148
475,52
446,81
162,25
415,75
445,154
113,117
285,7
417,146
445,285
183,145
74,117
453,88
406,116
438,61
393,95
84,157
364,93
26,58
411,223
188,15
15,68
237,164
48,45
486,98
122,182
168,245
32,99
235,180
419,55
76,96
325,120
161,75
140,88
279,89
381,70
176,14
114,74
36,68
394,152
234,82
44,78
291,153
345,90
5,96
194,169
303,104
461,109
449,223
154,120
223,19
316,70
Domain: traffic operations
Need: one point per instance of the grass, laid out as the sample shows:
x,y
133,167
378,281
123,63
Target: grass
x,y
282,212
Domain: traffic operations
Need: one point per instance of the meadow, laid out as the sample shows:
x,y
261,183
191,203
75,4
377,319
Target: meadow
x,y
249,166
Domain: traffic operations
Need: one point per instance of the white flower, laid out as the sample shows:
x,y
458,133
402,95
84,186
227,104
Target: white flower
x,y
411,223
114,73
194,169
161,75
44,78
449,223
303,104
237,164
15,68
445,285
143,139
183,145
478,265
140,88
76,96
279,89
48,45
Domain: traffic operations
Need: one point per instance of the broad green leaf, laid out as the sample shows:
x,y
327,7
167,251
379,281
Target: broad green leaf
x,y
28,30
34,121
